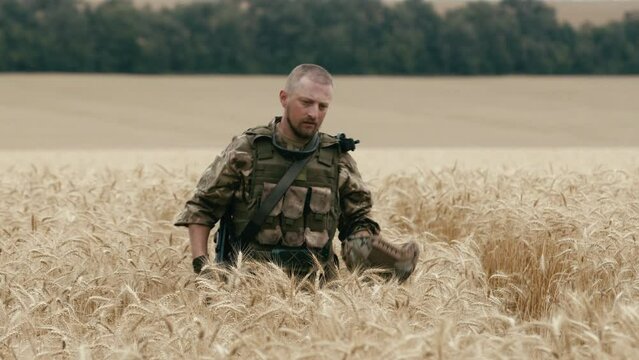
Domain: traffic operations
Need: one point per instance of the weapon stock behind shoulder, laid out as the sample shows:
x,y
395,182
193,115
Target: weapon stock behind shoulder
x,y
345,143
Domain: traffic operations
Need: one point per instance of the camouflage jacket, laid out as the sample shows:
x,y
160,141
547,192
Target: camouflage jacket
x,y
224,180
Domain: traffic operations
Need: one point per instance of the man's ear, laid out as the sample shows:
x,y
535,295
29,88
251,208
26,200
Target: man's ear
x,y
283,98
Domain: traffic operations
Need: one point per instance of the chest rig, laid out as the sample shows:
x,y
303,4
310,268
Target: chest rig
x,y
306,216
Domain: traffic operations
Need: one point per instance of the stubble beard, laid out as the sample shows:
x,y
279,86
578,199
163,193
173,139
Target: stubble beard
x,y
298,132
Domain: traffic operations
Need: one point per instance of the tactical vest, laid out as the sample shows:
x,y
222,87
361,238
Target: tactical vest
x,y
307,215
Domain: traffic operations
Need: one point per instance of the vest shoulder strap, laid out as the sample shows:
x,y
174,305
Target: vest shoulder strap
x,y
345,143
259,131
327,140
263,147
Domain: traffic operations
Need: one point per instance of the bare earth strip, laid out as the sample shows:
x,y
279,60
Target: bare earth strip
x,y
93,111
374,163
573,12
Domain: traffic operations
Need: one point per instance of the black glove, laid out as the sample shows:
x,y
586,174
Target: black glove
x,y
199,262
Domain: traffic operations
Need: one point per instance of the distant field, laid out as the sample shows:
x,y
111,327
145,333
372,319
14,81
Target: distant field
x,y
103,111
574,12
596,12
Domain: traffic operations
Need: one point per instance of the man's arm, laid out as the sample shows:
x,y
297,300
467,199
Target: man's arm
x,y
213,194
199,236
355,201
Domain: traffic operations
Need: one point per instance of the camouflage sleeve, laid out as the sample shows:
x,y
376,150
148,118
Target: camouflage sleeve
x,y
218,184
355,200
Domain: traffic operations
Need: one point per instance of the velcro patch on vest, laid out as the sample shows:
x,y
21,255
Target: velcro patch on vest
x,y
302,176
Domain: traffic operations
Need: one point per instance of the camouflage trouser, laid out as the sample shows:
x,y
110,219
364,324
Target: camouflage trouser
x,y
373,252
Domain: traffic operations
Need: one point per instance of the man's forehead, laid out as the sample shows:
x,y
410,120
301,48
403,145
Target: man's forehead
x,y
313,90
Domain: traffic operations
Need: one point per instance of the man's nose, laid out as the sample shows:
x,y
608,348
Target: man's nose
x,y
313,110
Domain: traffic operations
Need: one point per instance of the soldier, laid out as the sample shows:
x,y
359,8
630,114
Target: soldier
x,y
291,222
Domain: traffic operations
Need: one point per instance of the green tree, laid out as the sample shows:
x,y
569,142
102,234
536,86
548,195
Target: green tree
x,y
282,33
349,35
410,41
121,35
346,36
479,39
219,37
543,45
17,23
64,43
631,34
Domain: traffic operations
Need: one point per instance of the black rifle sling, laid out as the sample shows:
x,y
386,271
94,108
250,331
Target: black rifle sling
x,y
258,218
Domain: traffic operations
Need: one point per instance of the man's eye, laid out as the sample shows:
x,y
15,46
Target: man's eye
x,y
323,107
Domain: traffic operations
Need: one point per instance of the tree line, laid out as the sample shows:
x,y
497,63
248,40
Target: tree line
x,y
345,36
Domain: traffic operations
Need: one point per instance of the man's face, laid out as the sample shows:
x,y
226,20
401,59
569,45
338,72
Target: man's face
x,y
305,108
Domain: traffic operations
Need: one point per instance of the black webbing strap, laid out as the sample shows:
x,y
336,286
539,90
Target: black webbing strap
x,y
258,218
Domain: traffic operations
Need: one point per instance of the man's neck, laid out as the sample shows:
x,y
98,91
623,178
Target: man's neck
x,y
287,141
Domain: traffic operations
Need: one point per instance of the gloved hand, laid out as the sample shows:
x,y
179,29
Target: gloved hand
x,y
365,250
199,262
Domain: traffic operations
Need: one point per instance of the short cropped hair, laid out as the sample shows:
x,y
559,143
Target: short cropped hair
x,y
314,72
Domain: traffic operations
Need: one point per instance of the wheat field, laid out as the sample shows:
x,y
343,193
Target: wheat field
x,y
518,261
527,252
